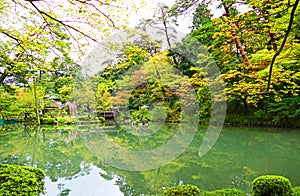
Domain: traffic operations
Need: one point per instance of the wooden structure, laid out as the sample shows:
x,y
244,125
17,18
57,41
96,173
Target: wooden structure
x,y
55,106
108,115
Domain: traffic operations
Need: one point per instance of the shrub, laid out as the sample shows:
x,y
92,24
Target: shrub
x,y
271,186
187,189
296,191
21,180
285,110
226,192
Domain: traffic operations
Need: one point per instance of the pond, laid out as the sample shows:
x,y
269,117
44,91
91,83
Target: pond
x,y
78,160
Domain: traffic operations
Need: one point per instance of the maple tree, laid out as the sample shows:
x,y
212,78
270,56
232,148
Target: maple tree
x,y
256,50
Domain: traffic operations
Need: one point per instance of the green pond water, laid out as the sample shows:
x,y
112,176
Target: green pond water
x,y
86,160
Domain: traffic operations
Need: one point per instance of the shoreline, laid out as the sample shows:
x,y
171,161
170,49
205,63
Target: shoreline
x,y
265,124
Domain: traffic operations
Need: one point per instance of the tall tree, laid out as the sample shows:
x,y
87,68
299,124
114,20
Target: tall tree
x,y
229,10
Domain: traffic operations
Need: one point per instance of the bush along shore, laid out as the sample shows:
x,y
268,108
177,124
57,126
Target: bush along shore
x,y
268,185
21,180
238,121
24,180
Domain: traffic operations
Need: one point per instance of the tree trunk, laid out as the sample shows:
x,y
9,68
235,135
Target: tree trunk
x,y
2,78
36,101
167,33
236,39
165,27
246,109
273,41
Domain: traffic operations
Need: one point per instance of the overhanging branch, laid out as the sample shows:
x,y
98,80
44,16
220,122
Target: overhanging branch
x,y
283,42
101,12
14,38
44,14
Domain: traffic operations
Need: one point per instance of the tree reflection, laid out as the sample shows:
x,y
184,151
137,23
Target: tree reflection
x,y
238,157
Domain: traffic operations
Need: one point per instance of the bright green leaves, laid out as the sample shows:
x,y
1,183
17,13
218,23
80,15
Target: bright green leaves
x,y
84,96
19,180
135,55
286,109
27,101
21,103
9,107
186,189
103,98
271,185
243,46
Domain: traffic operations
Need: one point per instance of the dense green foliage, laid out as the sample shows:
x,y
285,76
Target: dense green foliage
x,y
257,51
182,190
261,186
271,186
20,180
242,43
296,191
225,192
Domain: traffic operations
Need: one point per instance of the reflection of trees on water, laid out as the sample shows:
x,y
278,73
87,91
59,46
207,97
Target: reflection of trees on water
x,y
237,158
55,151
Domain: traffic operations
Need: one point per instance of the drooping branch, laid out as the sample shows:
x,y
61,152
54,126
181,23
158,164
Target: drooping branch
x,y
184,7
67,26
101,12
14,38
283,42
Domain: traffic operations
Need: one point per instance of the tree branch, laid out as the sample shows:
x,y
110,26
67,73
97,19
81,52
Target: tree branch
x,y
43,14
283,42
14,38
105,15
